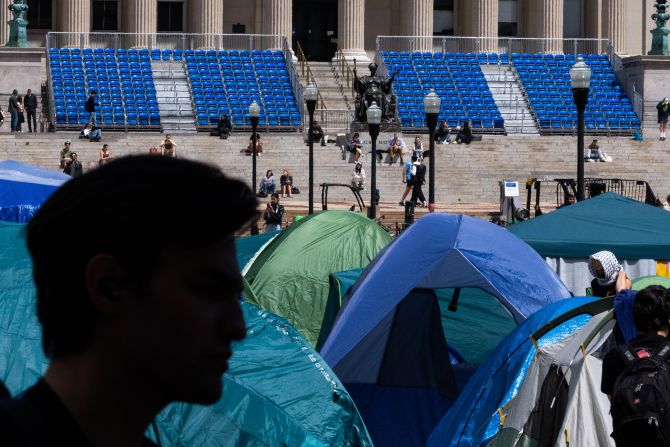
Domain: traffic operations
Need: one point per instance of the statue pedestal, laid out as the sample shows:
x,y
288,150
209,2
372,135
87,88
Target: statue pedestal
x,y
659,42
391,127
18,37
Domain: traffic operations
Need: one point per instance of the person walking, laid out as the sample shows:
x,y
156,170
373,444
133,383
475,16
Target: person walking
x,y
90,108
663,110
418,179
30,104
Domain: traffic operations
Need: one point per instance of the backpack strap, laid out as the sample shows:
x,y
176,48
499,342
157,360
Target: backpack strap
x,y
627,353
664,352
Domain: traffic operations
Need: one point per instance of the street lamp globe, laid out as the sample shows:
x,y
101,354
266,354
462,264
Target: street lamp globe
x,y
580,74
311,92
431,102
374,114
254,110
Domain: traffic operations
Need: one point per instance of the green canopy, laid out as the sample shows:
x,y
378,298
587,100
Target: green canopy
x,y
629,229
641,283
290,276
277,391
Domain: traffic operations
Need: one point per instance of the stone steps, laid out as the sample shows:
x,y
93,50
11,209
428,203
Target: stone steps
x,y
509,98
465,174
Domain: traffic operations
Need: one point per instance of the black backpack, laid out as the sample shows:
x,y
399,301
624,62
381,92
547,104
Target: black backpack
x,y
419,178
640,404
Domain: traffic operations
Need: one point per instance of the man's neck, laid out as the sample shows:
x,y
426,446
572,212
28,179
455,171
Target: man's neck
x,y
105,404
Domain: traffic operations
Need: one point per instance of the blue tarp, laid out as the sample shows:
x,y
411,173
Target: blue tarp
x,y
439,251
23,188
473,419
250,246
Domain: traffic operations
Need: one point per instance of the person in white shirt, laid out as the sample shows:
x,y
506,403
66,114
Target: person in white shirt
x,y
358,176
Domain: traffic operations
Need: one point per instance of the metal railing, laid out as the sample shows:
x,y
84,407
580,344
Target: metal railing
x,y
165,41
307,74
500,45
345,72
330,119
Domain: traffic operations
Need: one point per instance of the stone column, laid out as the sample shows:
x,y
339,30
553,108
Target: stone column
x,y
351,29
206,17
73,16
140,17
5,16
614,24
418,21
483,23
549,26
278,19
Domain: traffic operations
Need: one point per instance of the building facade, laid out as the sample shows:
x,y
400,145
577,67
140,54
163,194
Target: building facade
x,y
321,27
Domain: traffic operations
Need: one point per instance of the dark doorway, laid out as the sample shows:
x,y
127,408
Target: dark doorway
x,y
315,28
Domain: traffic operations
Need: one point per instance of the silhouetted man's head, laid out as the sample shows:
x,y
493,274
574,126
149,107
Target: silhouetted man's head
x,y
152,279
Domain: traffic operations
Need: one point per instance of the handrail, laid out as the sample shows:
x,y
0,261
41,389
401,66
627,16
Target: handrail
x,y
346,71
308,75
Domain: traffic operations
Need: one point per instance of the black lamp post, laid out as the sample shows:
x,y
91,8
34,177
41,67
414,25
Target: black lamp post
x,y
310,98
580,78
431,105
254,113
374,114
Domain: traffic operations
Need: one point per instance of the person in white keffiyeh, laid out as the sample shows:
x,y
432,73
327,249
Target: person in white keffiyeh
x,y
605,269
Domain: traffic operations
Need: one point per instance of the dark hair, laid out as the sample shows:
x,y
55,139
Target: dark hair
x,y
135,198
269,171
414,158
275,195
651,309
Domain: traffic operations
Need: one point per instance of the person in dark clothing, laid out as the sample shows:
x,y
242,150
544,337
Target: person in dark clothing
x,y
651,315
418,178
317,134
74,167
149,311
442,134
90,108
464,135
224,127
13,110
274,214
30,104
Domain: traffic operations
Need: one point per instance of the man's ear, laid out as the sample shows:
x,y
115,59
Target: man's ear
x,y
105,279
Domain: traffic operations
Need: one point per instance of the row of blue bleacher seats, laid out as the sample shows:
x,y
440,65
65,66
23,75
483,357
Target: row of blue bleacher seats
x,y
122,78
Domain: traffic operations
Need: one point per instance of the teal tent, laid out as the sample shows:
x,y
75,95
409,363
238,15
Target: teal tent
x,y
626,227
635,232
277,391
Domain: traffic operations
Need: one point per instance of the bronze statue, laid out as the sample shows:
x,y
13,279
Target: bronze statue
x,y
371,89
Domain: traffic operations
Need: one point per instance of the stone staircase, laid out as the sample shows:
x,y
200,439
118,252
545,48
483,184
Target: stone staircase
x,y
465,174
329,85
510,101
174,97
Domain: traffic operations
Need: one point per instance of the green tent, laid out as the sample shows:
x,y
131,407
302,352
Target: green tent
x,y
641,283
290,276
277,391
628,228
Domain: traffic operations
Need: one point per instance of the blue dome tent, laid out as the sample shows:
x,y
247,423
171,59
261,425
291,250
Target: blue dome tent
x,y
388,346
